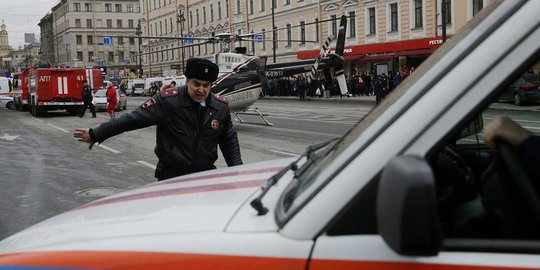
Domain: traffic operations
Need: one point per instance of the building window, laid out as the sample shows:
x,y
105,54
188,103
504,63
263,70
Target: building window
x,y
303,33
165,26
118,7
477,6
131,41
90,40
289,35
90,56
111,57
393,17
227,9
219,10
448,7
79,56
108,7
287,2
204,15
119,23
418,19
251,7
121,57
131,25
334,25
120,40
170,23
371,12
191,19
211,12
237,6
197,15
262,5
129,7
76,6
160,29
109,23
352,24
316,29
77,22
89,23
88,7
78,38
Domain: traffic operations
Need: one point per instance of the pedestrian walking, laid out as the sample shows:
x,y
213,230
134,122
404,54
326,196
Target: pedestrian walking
x,y
111,100
87,99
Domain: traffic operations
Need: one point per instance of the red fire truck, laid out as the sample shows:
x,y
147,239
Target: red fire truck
x,y
20,90
59,89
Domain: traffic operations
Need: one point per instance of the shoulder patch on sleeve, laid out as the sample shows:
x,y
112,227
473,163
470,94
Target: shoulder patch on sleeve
x,y
222,99
168,93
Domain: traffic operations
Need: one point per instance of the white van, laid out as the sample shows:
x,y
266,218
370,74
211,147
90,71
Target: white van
x,y
139,86
4,86
149,81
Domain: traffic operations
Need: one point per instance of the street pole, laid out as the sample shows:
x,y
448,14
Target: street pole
x,y
273,32
181,20
138,33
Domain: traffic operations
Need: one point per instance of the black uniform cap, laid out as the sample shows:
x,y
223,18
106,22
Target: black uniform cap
x,y
202,69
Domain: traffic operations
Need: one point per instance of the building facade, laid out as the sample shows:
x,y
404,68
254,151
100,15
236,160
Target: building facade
x,y
381,35
47,55
96,33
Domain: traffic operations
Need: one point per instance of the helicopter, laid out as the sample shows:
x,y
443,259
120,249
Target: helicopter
x,y
243,78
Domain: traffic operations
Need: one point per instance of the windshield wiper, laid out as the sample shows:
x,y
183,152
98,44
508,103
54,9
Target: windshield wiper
x,y
293,166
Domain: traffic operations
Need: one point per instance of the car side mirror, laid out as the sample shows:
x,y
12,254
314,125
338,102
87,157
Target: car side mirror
x,y
407,216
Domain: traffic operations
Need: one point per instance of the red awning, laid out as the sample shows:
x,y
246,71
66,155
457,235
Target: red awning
x,y
416,53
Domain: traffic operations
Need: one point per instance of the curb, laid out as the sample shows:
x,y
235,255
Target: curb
x,y
365,100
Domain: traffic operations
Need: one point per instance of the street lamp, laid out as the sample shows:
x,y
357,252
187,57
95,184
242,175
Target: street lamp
x,y
181,20
139,33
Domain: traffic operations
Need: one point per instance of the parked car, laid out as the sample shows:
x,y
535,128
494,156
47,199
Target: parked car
x,y
8,101
100,100
405,188
521,92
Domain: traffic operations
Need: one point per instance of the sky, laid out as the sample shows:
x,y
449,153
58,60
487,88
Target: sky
x,y
23,16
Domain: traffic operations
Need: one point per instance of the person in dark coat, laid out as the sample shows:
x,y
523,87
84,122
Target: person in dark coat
x,y
378,87
87,99
191,123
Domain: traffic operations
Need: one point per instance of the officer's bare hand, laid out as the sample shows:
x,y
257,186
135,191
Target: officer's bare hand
x,y
83,135
505,129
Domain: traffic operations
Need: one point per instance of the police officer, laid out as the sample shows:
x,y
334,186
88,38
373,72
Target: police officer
x,y
191,123
87,98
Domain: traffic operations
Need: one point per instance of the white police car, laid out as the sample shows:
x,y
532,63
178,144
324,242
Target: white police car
x,y
411,186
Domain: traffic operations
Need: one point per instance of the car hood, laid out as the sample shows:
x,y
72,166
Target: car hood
x,y
201,202
100,99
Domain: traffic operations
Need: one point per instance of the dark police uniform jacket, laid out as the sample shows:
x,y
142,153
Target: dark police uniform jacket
x,y
183,145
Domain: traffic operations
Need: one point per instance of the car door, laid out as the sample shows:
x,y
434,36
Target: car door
x,y
455,221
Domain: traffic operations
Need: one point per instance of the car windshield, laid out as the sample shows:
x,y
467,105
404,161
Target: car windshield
x,y
328,162
101,93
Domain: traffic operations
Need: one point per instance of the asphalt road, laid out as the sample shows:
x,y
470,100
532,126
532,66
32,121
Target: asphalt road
x,y
45,171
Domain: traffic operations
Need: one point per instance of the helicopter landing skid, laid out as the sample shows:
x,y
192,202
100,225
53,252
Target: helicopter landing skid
x,y
256,112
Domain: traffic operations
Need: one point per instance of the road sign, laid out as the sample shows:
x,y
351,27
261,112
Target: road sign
x,y
188,41
127,61
101,62
259,38
107,41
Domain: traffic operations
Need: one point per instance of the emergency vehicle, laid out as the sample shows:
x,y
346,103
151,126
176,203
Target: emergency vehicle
x,y
20,90
59,89
410,186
